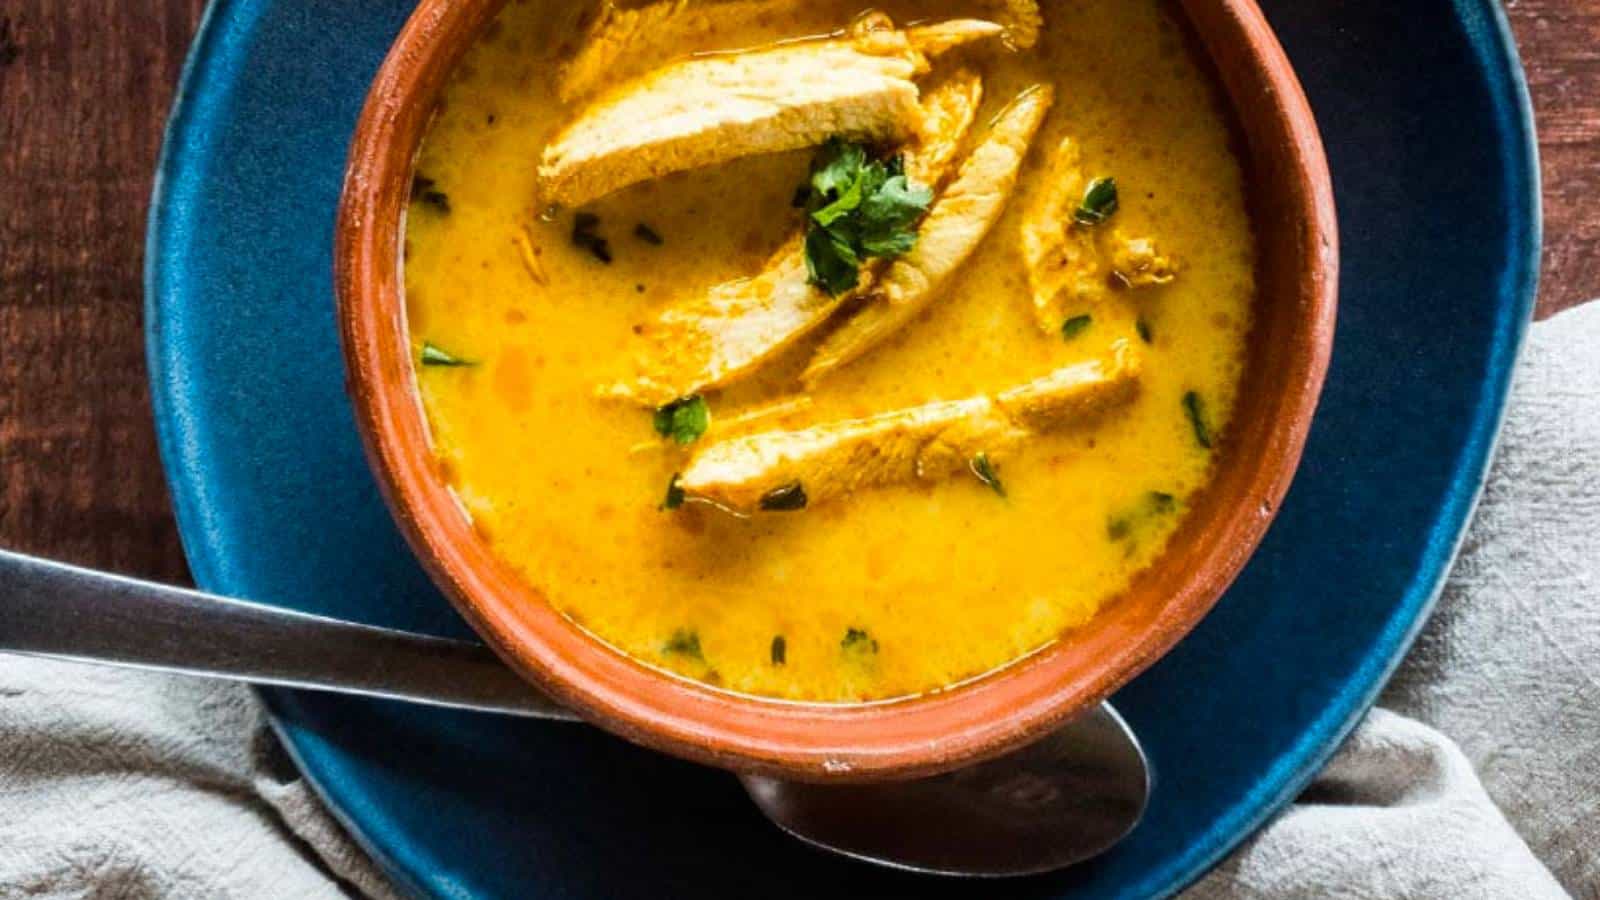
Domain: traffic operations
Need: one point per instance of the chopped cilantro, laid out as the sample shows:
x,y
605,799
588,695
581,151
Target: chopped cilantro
x,y
858,641
434,356
424,190
1154,503
1195,407
675,495
1143,328
831,262
684,642
647,234
684,419
1074,326
857,208
983,468
1099,202
780,650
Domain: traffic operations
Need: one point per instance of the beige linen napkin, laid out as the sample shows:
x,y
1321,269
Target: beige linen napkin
x,y
1479,779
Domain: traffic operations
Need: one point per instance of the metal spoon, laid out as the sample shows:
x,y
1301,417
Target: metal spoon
x,y
1062,800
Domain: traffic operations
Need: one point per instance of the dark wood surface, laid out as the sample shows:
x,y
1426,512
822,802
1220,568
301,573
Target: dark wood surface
x,y
84,88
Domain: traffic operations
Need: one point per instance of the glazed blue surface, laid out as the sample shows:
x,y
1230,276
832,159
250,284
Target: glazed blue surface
x,y
1428,131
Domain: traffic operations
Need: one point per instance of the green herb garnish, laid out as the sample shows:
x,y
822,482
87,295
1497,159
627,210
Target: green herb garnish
x,y
1155,503
585,236
858,641
1074,326
857,208
780,650
1196,409
1099,202
684,642
983,469
647,234
788,498
675,495
434,356
684,419
1143,328
832,264
425,190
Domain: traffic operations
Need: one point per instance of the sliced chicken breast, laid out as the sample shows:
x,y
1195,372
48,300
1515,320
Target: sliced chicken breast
x,y
953,229
1060,256
708,110
1071,266
786,469
625,42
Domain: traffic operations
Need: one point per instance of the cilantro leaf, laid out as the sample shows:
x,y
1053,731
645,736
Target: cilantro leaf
x,y
684,642
684,419
1075,326
675,495
857,640
1099,202
888,214
895,204
983,469
1195,407
433,355
848,201
837,165
831,262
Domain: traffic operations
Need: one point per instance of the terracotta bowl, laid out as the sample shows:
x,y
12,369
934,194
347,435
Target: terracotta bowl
x,y
1292,203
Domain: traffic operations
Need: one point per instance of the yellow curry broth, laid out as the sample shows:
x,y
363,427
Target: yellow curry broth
x,y
945,580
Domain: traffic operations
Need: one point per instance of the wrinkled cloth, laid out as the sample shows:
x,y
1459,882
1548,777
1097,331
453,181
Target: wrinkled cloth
x,y
1479,777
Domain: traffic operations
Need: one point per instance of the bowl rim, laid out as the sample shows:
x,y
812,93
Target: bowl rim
x,y
964,723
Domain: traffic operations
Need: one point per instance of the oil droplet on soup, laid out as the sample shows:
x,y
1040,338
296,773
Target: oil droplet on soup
x,y
889,591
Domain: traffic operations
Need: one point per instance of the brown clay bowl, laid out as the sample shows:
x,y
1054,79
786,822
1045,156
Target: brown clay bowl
x,y
1292,203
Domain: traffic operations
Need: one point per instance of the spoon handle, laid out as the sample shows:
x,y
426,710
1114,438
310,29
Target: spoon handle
x,y
53,609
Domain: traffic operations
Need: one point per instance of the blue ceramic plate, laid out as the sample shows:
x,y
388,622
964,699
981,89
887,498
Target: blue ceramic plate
x,y
1430,137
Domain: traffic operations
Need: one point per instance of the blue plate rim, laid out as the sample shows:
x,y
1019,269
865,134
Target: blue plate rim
x,y
1501,66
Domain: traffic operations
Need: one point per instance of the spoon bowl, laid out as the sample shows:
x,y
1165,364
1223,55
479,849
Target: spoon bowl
x,y
1054,803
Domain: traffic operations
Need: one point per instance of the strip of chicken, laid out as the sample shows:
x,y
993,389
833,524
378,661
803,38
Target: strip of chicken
x,y
723,335
1071,266
931,442
624,43
709,110
1060,256
953,229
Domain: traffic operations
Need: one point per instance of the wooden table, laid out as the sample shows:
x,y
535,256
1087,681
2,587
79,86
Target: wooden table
x,y
84,86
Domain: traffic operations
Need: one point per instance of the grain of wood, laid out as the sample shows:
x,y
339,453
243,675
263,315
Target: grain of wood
x,y
1560,43
84,88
